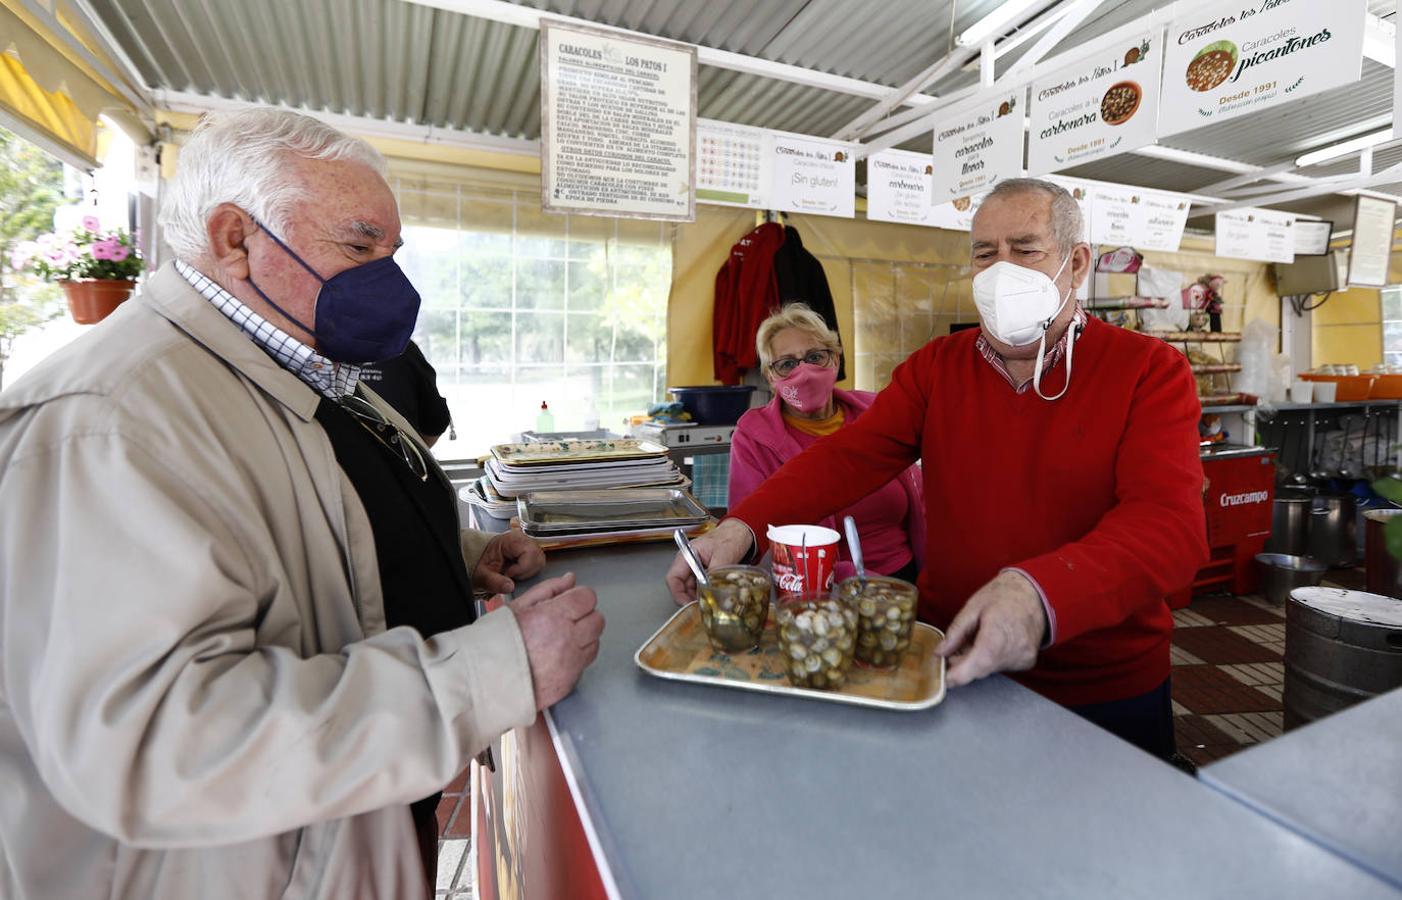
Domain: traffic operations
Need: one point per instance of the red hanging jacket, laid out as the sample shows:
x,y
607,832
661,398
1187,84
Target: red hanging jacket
x,y
746,293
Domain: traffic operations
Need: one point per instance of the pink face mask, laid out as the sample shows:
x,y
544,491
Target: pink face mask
x,y
808,387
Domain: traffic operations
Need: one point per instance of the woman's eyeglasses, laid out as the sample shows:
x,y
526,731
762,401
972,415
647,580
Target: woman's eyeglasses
x,y
784,365
387,433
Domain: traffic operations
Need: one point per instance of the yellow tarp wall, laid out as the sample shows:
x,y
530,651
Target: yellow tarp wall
x,y
897,307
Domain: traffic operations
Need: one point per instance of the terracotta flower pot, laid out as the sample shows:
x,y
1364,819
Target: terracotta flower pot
x,y
91,301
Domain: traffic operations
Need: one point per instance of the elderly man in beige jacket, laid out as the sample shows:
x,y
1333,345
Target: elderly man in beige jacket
x,y
199,693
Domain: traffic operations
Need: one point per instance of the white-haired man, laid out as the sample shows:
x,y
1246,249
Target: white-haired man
x,y
1063,488
210,537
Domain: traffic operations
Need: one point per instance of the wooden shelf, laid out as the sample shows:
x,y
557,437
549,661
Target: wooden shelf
x,y
1119,304
1215,368
1197,337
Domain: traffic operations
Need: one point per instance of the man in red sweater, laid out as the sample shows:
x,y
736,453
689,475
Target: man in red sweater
x,y
1060,513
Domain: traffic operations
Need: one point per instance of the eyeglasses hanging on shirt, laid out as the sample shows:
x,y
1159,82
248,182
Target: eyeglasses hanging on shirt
x,y
386,432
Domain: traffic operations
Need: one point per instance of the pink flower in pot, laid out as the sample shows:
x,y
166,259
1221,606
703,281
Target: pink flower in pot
x,y
102,250
118,253
90,223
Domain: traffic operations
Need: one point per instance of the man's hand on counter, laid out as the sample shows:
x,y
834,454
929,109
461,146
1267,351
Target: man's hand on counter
x,y
560,625
999,630
510,555
729,544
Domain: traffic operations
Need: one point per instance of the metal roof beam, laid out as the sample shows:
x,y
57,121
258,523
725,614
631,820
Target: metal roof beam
x,y
1380,40
360,126
862,124
132,95
1251,173
1226,186
529,17
1337,185
872,120
1076,13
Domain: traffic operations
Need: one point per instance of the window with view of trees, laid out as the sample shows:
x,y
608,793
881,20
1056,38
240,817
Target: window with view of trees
x,y
520,307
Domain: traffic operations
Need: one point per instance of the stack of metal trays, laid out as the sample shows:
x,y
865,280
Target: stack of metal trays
x,y
519,469
632,511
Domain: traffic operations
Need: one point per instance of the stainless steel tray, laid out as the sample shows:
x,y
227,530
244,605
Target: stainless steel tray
x,y
679,651
558,452
559,512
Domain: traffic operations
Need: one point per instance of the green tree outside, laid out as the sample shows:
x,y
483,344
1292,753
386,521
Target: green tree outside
x,y
31,188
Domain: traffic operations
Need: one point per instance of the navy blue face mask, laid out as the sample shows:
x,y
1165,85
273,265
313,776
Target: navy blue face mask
x,y
364,314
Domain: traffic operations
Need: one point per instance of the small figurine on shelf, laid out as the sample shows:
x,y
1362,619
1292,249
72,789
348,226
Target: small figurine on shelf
x,y
1204,300
1210,429
1212,299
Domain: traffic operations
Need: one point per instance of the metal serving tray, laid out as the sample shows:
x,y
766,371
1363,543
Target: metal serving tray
x,y
556,452
557,512
679,651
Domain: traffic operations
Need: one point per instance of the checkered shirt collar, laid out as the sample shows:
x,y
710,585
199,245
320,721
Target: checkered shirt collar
x,y
1053,357
330,379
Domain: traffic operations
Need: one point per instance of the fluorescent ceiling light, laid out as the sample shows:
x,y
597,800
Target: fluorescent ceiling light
x,y
992,23
1345,148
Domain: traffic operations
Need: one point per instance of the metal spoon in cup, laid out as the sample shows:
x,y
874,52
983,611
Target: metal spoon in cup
x,y
689,555
854,545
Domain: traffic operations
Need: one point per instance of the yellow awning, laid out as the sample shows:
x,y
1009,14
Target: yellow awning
x,y
48,92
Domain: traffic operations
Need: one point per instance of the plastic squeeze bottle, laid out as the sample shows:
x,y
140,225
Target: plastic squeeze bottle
x,y
544,420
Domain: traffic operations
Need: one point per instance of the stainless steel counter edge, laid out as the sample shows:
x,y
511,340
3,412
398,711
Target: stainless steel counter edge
x,y
694,791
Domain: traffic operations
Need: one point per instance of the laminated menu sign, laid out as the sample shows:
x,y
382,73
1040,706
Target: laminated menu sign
x,y
810,175
1134,217
977,146
1260,234
732,165
618,124
1370,248
898,187
956,214
1105,104
1232,59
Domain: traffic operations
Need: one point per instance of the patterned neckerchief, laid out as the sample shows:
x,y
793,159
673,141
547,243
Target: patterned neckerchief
x,y
330,379
1053,357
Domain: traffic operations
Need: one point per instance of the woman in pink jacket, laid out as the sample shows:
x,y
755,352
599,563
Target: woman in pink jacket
x,y
799,356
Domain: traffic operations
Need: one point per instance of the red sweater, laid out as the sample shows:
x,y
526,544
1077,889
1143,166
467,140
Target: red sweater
x,y
1097,496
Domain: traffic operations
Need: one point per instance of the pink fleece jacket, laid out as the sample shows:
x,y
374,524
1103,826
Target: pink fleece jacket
x,y
762,443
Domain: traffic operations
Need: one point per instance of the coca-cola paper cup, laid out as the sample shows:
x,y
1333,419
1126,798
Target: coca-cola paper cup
x,y
804,557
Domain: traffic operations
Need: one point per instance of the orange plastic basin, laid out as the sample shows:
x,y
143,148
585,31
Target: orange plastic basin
x,y
1387,387
1351,387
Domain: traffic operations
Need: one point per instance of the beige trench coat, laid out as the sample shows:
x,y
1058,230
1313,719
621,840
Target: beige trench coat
x,y
198,696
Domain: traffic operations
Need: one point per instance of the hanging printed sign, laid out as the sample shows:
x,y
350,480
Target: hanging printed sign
x,y
956,214
1106,105
811,175
977,146
732,167
1135,217
618,124
898,187
1233,60
1261,234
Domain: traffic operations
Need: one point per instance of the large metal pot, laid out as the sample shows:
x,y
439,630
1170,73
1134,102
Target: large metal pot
x,y
1282,573
1341,648
1384,574
1331,530
1290,519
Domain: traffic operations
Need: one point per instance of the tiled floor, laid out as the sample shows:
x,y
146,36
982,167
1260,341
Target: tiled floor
x,y
455,875
1227,675
1229,672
